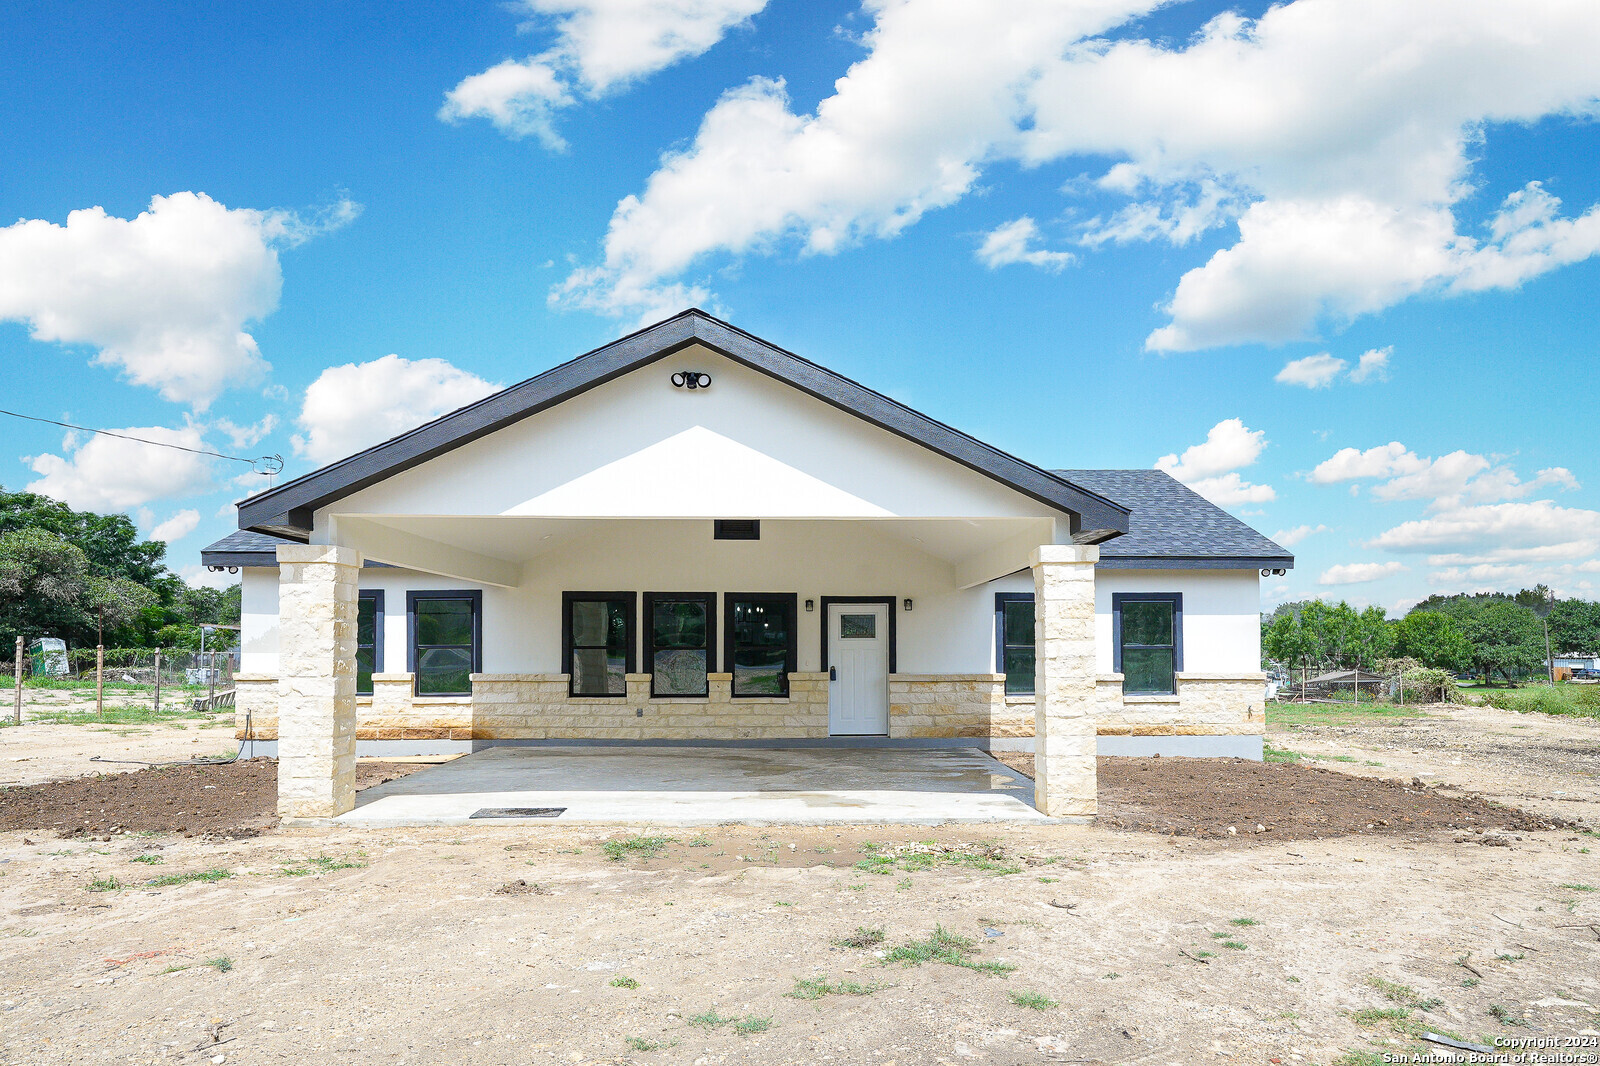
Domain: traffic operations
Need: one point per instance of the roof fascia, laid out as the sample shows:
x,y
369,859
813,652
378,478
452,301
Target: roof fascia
x,y
1197,562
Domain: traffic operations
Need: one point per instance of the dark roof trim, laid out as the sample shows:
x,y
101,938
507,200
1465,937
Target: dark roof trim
x,y
1196,562
251,558
286,510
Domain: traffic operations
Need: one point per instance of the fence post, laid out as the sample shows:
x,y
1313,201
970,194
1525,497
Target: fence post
x,y
16,708
158,682
99,680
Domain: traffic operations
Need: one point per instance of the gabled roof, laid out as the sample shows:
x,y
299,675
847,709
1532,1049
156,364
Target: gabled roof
x,y
1174,527
287,509
1170,527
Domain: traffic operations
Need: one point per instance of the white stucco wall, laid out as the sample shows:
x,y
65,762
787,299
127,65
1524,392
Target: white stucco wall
x,y
258,620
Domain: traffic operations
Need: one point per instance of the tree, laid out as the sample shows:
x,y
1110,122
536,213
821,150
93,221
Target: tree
x,y
1575,627
1289,642
110,542
44,585
1433,639
1506,638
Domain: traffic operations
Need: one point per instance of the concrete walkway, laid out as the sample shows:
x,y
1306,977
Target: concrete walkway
x,y
705,786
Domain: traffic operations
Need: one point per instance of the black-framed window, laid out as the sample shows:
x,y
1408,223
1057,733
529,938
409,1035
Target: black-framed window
x,y
445,632
680,632
759,642
597,642
1147,641
1013,640
369,638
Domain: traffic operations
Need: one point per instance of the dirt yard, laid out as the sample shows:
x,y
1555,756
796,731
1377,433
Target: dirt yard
x,y
1144,943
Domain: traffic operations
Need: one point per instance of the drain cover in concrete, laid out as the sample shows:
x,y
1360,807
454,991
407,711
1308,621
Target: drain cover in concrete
x,y
518,812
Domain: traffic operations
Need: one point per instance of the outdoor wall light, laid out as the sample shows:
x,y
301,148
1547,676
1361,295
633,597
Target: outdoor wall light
x,y
908,603
1273,573
691,379
811,605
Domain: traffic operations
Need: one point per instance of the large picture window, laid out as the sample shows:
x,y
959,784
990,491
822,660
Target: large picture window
x,y
681,628
1013,640
1147,641
446,630
597,642
759,647
369,639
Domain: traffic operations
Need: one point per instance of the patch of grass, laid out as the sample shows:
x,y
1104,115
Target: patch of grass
x,y
210,876
149,858
1243,921
1579,701
1403,994
172,969
1470,982
1033,1000
751,1024
699,842
637,847
1293,715
319,864
1272,754
221,964
710,1019
817,987
1579,888
639,1043
1235,945
1048,880
1503,957
105,884
1504,1016
986,856
863,937
624,982
1359,1058
949,948
128,714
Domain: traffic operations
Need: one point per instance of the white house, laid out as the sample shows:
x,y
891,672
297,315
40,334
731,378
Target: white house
x,y
691,535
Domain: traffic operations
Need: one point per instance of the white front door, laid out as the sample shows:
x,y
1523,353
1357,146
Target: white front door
x,y
858,675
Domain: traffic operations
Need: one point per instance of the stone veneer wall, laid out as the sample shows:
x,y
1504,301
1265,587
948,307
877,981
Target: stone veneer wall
x,y
537,707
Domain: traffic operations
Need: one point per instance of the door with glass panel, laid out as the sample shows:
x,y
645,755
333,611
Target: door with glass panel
x,y
858,669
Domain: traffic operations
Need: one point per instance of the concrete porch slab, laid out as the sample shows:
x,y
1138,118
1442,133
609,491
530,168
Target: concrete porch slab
x,y
707,786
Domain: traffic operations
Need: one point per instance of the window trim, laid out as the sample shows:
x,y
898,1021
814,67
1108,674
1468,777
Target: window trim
x,y
647,637
376,595
877,601
1000,601
1176,599
790,664
630,617
412,598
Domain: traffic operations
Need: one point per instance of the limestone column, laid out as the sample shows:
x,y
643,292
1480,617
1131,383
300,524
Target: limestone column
x,y
317,591
1063,679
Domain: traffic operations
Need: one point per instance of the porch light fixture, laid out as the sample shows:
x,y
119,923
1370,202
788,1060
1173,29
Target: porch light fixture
x,y
908,603
1273,573
691,379
811,605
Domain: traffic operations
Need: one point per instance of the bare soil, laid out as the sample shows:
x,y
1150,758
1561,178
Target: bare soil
x,y
40,751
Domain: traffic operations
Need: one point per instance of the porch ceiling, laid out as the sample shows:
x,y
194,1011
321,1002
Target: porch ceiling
x,y
494,548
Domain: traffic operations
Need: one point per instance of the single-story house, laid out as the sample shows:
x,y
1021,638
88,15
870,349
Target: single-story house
x,y
691,535
1576,662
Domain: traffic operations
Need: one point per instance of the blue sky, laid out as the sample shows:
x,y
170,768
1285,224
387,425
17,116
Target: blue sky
x,y
1092,232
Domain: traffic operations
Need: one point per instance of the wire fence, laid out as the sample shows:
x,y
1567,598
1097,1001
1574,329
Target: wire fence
x,y
59,684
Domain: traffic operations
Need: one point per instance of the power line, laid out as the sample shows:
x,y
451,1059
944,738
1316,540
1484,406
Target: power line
x,y
265,464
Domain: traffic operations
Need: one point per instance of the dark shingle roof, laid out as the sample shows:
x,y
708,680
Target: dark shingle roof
x,y
1170,522
243,547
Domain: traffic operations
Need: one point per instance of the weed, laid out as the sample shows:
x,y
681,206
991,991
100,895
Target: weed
x,y
173,969
699,842
1243,921
639,1043
210,876
104,884
1272,754
1504,1016
1235,945
1470,982
903,884
782,903
1580,888
1220,936
1404,994
1503,957
1033,1000
710,1019
1209,955
863,937
1048,880
752,1024
1112,976
149,858
946,947
1359,1058
1374,1015
321,864
642,847
817,987
221,964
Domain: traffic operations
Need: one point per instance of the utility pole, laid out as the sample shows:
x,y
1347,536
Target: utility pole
x,y
16,707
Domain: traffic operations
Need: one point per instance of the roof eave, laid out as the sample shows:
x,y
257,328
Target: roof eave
x,y
1197,562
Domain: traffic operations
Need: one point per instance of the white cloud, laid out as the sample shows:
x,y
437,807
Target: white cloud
x,y
1010,243
1209,467
601,45
351,407
245,436
1338,133
177,527
1435,479
1374,365
1448,481
1356,573
1348,464
112,474
1510,529
1288,538
164,296
1314,371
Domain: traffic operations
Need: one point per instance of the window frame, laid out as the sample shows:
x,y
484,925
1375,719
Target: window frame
x,y
376,595
1000,601
884,601
1176,599
413,597
647,636
630,617
790,600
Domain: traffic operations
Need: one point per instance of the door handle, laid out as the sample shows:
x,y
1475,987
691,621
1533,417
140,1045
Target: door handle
x,y
833,673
